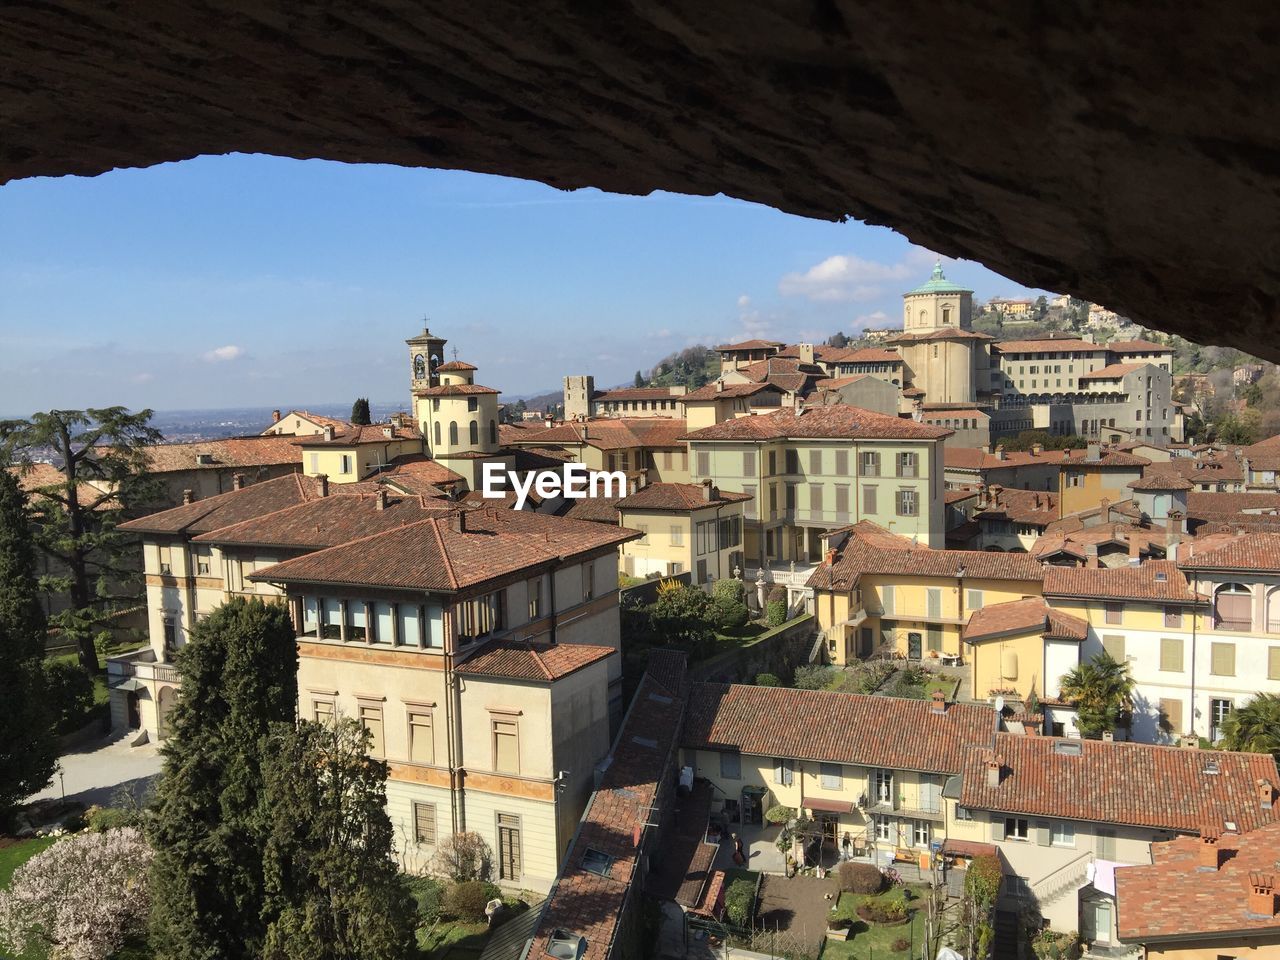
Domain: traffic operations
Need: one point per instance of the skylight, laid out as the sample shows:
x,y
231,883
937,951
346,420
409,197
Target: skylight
x,y
593,861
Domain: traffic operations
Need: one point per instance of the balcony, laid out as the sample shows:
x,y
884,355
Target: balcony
x,y
140,665
903,806
788,575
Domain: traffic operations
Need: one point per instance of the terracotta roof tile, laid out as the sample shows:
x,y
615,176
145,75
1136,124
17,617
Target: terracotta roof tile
x,y
255,451
519,660
1174,899
1113,371
1206,504
1157,481
857,557
352,435
1136,784
1137,346
680,496
1003,619
752,345
433,555
594,509
1218,468
1253,551
939,335
454,390
453,365
608,433
833,727
419,466
1048,345
1142,582
254,500
726,390
839,422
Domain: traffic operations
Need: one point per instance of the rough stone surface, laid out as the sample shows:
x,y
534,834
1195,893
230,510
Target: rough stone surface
x,y
1128,153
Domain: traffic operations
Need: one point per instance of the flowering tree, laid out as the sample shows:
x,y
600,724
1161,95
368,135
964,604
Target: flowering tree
x,y
81,898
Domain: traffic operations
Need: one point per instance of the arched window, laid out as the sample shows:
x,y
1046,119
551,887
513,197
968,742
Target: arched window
x,y
1273,610
475,433
946,315
493,431
924,318
453,434
1233,607
437,433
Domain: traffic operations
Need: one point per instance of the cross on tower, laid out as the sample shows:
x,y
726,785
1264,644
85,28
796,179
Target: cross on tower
x,y
455,353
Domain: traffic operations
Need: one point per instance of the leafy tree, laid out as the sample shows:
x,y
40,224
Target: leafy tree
x,y
728,606
813,676
360,414
463,856
210,828
767,680
838,340
639,381
467,900
981,888
1254,727
70,692
28,752
81,899
740,902
1102,693
1234,430
681,617
103,463
332,889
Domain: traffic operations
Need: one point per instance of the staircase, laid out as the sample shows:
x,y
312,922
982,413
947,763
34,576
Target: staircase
x,y
1065,879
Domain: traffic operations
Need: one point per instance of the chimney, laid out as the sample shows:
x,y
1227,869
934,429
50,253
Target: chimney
x,y
380,499
1093,451
1104,510
549,421
1135,551
1189,741
187,496
1210,856
1262,894
458,521
389,431
328,432
1037,449
939,701
1266,794
999,451
1031,724
1091,555
993,766
1108,736
805,351
831,558
275,416
324,484
237,482
719,386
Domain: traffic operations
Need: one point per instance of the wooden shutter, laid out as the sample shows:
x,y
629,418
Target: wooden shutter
x,y
371,720
1113,644
422,748
1171,654
1171,714
997,829
1223,659
1273,663
506,746
1042,833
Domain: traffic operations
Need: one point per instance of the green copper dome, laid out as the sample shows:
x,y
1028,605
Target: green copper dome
x,y
938,283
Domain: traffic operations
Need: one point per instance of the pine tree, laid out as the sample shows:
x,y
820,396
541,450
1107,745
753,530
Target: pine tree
x,y
332,889
239,678
28,750
103,461
360,414
639,381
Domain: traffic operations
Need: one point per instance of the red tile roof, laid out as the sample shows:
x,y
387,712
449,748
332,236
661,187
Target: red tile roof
x,y
727,390
1112,371
821,352
680,497
752,345
454,390
609,433
318,419
254,500
1218,468
972,458
857,557
456,365
520,660
1156,481
1137,346
1173,899
419,467
1208,504
833,727
1252,552
1121,583
328,521
637,776
1136,784
257,451
939,335
1038,508
839,422
594,509
433,555
353,435
866,355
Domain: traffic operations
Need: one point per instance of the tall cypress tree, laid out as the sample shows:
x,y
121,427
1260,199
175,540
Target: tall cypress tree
x,y
239,678
360,414
28,750
333,890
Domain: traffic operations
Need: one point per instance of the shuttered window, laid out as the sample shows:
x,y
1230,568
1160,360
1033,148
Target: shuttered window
x,y
371,720
869,500
1113,644
424,822
322,711
842,463
506,746
1273,663
1171,715
1222,659
842,501
869,464
422,746
782,772
1171,654
815,461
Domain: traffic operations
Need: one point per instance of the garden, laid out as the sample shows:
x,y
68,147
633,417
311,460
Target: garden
x,y
888,678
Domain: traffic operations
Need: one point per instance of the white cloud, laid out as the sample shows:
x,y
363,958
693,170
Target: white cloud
x,y
848,278
143,377
744,301
877,319
220,354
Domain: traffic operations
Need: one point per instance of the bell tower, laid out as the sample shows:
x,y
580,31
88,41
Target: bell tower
x,y
426,354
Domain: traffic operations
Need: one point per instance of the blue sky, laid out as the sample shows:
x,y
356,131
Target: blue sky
x,y
245,280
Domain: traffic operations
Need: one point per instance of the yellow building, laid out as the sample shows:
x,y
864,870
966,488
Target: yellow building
x,y
1090,476
478,647
686,528
810,470
647,449
874,593
721,401
458,419
348,454
1011,646
869,767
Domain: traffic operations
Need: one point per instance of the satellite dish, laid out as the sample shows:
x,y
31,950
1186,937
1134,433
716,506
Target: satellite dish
x,y
999,704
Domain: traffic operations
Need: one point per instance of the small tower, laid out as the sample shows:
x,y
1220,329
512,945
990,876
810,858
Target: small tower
x,y
577,396
426,354
458,419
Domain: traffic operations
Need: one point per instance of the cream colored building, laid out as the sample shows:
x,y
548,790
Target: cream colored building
x,y
479,647
693,528
353,453
810,470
